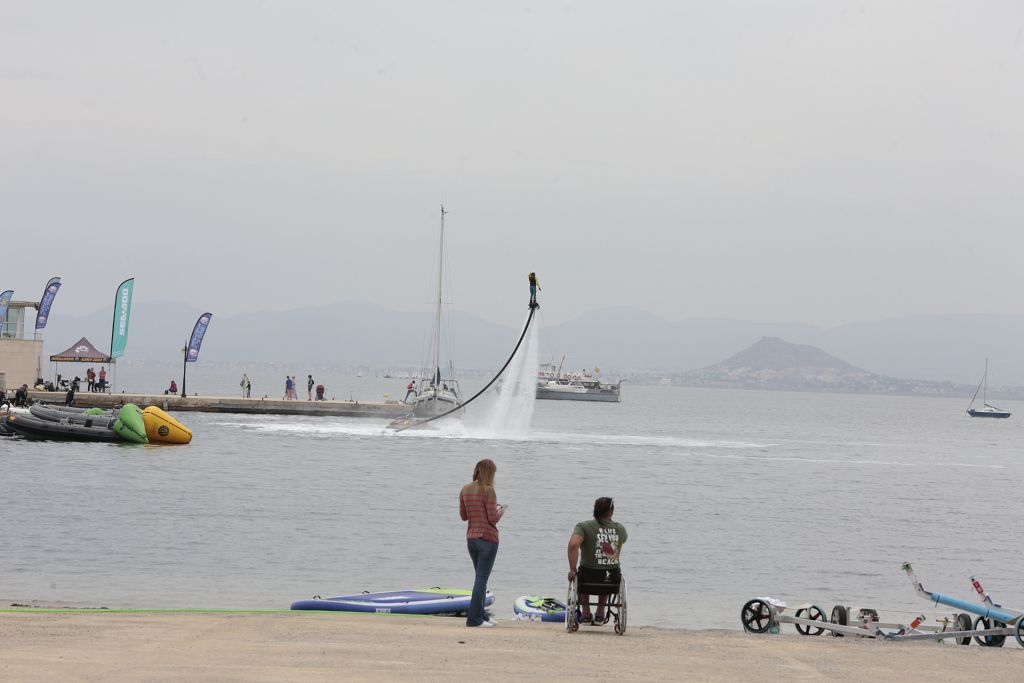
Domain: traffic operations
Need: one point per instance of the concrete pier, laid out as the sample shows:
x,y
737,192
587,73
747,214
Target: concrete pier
x,y
232,404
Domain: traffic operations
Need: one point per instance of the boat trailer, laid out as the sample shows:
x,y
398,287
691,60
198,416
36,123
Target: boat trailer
x,y
989,627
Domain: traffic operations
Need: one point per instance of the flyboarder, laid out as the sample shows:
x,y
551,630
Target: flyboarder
x,y
534,287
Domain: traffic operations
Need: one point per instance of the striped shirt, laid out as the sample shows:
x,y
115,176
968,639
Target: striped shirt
x,y
482,515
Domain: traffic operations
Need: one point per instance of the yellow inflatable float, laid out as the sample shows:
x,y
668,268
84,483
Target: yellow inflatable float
x,y
162,428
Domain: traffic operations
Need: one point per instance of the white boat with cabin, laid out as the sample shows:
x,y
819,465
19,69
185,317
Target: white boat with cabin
x,y
553,384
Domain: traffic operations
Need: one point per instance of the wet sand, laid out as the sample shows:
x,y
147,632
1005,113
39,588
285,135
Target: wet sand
x,y
314,646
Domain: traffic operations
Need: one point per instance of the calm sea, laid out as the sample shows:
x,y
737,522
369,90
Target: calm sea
x,y
727,495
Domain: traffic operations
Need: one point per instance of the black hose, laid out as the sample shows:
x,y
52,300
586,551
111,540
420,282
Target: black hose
x,y
486,386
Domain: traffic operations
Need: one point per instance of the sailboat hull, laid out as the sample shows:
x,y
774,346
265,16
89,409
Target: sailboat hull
x,y
432,405
988,413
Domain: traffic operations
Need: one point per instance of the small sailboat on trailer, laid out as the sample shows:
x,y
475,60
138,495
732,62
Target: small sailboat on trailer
x,y
436,394
987,409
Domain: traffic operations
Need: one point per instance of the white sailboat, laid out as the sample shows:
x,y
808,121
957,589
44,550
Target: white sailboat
x,y
987,410
435,392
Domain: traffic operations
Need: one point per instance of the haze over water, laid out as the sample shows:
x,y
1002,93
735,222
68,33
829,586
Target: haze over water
x,y
727,495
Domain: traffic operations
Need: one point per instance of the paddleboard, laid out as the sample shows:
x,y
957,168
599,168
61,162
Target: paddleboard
x,y
419,601
538,607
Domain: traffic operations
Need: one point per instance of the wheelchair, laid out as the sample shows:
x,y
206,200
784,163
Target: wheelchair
x,y
614,609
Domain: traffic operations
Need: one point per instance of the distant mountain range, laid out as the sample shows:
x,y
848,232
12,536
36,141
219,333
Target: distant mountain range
x,y
773,363
622,341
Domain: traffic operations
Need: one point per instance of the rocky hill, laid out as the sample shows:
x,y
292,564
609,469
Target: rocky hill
x,y
773,363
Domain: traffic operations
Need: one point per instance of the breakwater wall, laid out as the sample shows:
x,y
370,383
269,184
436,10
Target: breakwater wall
x,y
232,404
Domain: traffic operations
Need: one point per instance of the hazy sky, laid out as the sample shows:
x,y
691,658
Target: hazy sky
x,y
815,161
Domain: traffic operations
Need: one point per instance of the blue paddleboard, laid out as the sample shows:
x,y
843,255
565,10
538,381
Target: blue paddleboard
x,y
419,601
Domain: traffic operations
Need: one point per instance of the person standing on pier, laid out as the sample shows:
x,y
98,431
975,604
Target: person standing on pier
x,y
309,388
103,378
90,379
246,385
287,387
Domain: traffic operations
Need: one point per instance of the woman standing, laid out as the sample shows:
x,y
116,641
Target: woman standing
x,y
478,505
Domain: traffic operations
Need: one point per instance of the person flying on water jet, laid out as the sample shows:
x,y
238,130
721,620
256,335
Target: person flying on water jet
x,y
534,287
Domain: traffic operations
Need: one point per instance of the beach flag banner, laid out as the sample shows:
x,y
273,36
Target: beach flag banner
x,y
122,313
196,340
49,294
5,301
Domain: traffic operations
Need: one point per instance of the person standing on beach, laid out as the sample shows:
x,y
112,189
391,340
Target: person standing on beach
x,y
309,388
596,544
478,505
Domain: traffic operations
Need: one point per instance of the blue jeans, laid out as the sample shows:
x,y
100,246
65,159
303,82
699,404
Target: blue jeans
x,y
482,553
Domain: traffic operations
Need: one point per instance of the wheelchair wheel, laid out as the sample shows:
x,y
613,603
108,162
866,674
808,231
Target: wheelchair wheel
x,y
572,609
620,616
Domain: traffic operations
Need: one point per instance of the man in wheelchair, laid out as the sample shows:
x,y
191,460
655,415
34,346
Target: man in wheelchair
x,y
595,545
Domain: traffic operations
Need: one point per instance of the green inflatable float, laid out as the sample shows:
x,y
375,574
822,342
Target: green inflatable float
x,y
129,425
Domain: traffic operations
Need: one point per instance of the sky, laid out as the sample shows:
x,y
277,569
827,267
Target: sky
x,y
822,162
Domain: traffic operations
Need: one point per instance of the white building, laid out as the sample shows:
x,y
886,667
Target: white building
x,y
21,349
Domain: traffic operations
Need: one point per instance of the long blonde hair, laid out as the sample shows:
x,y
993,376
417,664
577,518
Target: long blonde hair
x,y
483,473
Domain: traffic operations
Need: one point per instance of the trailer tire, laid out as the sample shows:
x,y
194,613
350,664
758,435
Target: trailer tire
x,y
814,613
756,616
963,623
1018,633
839,617
988,641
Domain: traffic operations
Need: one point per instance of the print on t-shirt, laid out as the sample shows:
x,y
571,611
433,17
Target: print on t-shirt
x,y
606,549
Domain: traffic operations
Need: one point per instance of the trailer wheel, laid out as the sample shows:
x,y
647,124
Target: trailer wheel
x,y
839,617
756,616
988,641
963,623
1019,632
814,613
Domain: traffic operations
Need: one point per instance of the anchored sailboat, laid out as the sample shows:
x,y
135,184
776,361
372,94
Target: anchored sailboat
x,y
987,409
436,393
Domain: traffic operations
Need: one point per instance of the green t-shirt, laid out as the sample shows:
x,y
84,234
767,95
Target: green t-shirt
x,y
602,543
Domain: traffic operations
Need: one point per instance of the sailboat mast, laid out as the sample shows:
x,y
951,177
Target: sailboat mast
x,y
437,317
984,395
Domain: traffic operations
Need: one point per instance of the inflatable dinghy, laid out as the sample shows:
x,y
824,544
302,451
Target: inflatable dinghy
x,y
33,427
60,407
537,607
421,601
44,412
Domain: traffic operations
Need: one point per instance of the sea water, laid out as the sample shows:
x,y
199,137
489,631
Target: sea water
x,y
726,495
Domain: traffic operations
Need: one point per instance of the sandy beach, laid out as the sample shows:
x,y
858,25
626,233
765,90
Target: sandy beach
x,y
314,646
